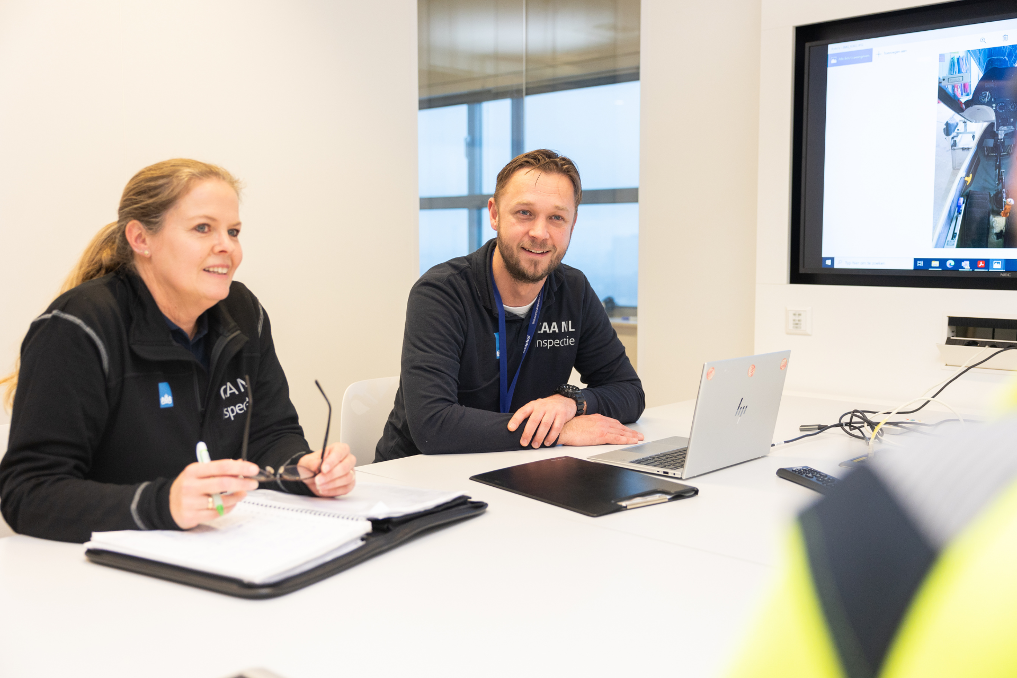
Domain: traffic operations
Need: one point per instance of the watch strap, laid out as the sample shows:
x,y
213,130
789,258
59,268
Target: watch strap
x,y
576,394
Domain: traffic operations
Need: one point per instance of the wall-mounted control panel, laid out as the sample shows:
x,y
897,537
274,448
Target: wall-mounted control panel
x,y
798,321
970,339
984,332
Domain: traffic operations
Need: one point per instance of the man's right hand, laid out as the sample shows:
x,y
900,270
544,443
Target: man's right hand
x,y
596,429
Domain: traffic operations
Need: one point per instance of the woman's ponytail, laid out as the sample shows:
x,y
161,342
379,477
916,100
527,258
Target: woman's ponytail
x,y
107,253
147,197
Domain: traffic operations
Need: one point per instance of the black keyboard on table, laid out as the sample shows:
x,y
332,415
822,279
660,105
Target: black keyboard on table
x,y
673,460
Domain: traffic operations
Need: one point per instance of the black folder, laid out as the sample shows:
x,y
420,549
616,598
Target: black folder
x,y
385,534
585,486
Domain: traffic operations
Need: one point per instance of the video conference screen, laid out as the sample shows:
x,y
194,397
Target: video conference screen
x,y
908,165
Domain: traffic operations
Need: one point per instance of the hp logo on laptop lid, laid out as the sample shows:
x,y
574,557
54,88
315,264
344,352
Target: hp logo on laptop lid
x,y
740,410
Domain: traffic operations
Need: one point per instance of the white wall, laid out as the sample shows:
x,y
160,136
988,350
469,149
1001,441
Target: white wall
x,y
699,72
868,343
312,103
714,194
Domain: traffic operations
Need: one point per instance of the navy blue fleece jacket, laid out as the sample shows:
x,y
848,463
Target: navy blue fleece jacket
x,y
448,394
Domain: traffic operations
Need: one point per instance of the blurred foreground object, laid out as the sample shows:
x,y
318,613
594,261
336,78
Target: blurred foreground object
x,y
905,569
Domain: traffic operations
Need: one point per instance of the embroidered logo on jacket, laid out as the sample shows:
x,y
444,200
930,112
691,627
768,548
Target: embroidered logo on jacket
x,y
233,411
564,326
165,395
227,389
553,328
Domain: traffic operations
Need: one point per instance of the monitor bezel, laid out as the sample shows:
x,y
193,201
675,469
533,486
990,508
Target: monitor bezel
x,y
946,15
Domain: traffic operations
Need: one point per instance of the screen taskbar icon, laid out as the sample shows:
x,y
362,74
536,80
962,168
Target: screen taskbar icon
x,y
964,265
828,262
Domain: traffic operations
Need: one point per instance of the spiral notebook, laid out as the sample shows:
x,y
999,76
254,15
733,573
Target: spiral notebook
x,y
271,536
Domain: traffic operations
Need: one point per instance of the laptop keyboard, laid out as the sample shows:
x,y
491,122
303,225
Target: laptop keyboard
x,y
673,460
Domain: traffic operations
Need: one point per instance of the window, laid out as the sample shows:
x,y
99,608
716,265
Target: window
x,y
498,77
443,235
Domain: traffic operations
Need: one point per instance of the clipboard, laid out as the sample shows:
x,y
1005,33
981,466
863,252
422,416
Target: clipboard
x,y
386,534
586,487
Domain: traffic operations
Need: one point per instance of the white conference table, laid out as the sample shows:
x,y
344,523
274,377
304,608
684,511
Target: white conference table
x,y
523,589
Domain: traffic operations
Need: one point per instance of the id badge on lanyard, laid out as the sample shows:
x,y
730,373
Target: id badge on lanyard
x,y
505,390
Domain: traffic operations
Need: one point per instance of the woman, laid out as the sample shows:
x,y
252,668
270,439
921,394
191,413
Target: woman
x,y
147,353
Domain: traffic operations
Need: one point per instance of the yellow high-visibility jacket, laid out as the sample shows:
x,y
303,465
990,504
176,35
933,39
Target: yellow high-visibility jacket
x,y
907,569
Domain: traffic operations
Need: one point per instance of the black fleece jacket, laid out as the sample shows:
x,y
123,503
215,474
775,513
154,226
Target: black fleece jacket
x,y
448,394
109,409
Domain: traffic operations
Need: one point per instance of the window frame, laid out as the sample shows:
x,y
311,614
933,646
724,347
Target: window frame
x,y
476,200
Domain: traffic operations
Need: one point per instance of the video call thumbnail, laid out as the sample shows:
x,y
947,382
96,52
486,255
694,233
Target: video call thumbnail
x,y
974,178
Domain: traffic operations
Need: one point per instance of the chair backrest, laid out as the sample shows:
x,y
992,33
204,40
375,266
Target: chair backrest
x,y
366,406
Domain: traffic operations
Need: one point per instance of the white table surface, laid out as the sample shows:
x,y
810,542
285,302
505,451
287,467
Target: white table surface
x,y
524,589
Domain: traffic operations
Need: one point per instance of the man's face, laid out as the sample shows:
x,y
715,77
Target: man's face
x,y
534,218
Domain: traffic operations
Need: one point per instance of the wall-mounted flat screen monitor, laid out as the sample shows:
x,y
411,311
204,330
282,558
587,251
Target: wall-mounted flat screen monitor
x,y
904,166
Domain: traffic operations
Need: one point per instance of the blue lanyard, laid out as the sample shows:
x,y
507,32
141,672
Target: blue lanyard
x,y
501,346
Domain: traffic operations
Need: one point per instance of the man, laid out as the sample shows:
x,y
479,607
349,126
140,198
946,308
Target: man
x,y
491,338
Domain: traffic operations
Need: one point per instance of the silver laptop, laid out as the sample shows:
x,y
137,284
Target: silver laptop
x,y
736,414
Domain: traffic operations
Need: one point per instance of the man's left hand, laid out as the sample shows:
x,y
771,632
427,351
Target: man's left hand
x,y
336,476
547,416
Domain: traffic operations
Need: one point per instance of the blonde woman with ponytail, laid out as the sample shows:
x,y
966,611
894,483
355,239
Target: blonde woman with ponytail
x,y
151,348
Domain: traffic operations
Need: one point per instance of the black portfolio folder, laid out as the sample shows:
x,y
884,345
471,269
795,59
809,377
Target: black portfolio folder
x,y
386,534
585,486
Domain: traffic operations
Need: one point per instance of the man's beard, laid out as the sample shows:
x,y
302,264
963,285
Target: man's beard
x,y
516,269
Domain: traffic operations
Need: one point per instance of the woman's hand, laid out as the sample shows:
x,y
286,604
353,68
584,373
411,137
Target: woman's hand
x,y
190,492
337,475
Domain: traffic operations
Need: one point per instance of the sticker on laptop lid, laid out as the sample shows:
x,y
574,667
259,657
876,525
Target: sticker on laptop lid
x,y
752,370
709,374
783,363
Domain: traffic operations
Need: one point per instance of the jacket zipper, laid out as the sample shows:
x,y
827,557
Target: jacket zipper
x,y
197,390
213,374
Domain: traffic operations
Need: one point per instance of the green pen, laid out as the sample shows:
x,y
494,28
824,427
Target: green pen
x,y
203,458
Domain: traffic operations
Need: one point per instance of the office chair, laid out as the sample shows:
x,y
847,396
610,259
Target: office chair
x,y
365,409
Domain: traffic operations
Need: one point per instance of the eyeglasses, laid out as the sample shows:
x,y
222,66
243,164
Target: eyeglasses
x,y
292,471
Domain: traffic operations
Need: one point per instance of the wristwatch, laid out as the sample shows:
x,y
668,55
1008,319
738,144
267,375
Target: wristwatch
x,y
570,391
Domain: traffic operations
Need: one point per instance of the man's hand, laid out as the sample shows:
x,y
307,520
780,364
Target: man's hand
x,y
547,418
596,429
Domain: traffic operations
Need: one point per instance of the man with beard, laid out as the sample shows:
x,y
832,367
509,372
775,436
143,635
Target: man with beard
x,y
491,338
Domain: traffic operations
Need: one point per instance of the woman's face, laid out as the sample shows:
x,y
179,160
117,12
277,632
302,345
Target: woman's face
x,y
197,251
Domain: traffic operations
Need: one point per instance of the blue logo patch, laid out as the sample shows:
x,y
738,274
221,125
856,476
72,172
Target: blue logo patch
x,y
165,395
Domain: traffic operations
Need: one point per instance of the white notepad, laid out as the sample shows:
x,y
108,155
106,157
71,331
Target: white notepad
x,y
367,500
272,535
